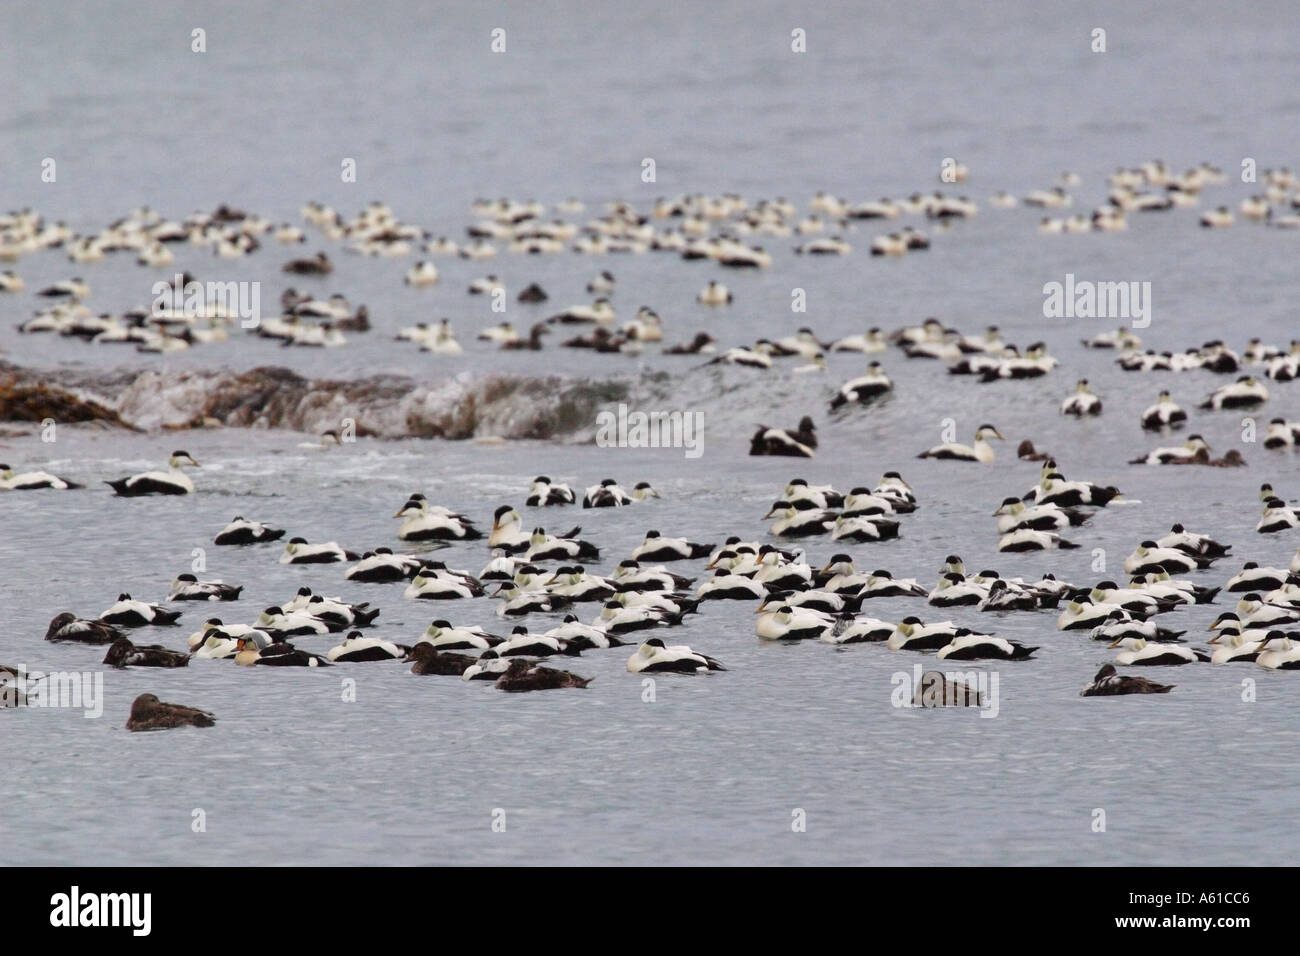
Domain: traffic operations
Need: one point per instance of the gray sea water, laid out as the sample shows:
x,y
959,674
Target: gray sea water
x,y
714,769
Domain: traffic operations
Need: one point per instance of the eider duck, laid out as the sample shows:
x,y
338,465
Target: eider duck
x,y
574,635
277,654
981,451
187,587
66,626
298,551
1277,516
442,636
602,284
1190,452
543,492
788,623
655,547
382,566
150,713
1245,392
32,481
1278,652
545,547
425,522
794,443
130,613
642,491
170,482
983,647
521,675
1108,683
1163,414
532,293
607,494
913,634
749,358
654,657
864,389
1027,539
1084,401
242,531
1138,651
702,344
428,660
122,653
318,264
357,648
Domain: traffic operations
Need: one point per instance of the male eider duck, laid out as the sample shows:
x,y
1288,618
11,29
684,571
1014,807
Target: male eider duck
x,y
425,522
981,451
1279,652
603,284
421,274
242,531
150,713
1163,414
170,482
1245,392
278,654
187,587
298,551
1138,651
655,547
1109,683
1188,453
32,480
864,389
130,613
543,492
983,648
913,634
607,494
357,648
655,657
1084,401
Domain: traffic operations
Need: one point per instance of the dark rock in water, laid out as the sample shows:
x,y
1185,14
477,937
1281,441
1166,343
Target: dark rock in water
x,y
35,401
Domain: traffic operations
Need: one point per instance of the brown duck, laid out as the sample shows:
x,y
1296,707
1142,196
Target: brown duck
x,y
150,713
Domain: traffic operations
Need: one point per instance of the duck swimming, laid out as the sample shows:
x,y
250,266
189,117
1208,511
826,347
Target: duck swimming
x,y
32,481
981,451
242,531
298,551
187,587
544,492
1138,651
357,648
122,653
980,647
654,657
1109,683
130,613
655,547
521,675
607,494
277,654
428,660
794,443
170,482
1083,402
150,713
863,389
66,626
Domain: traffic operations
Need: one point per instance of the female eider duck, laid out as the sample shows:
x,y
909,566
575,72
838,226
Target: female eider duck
x,y
981,451
150,713
66,626
242,531
32,481
130,613
170,482
122,653
864,389
428,660
1109,683
654,656
521,675
1084,401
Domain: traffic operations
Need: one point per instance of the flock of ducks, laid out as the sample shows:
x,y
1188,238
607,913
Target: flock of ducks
x,y
533,572
536,574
